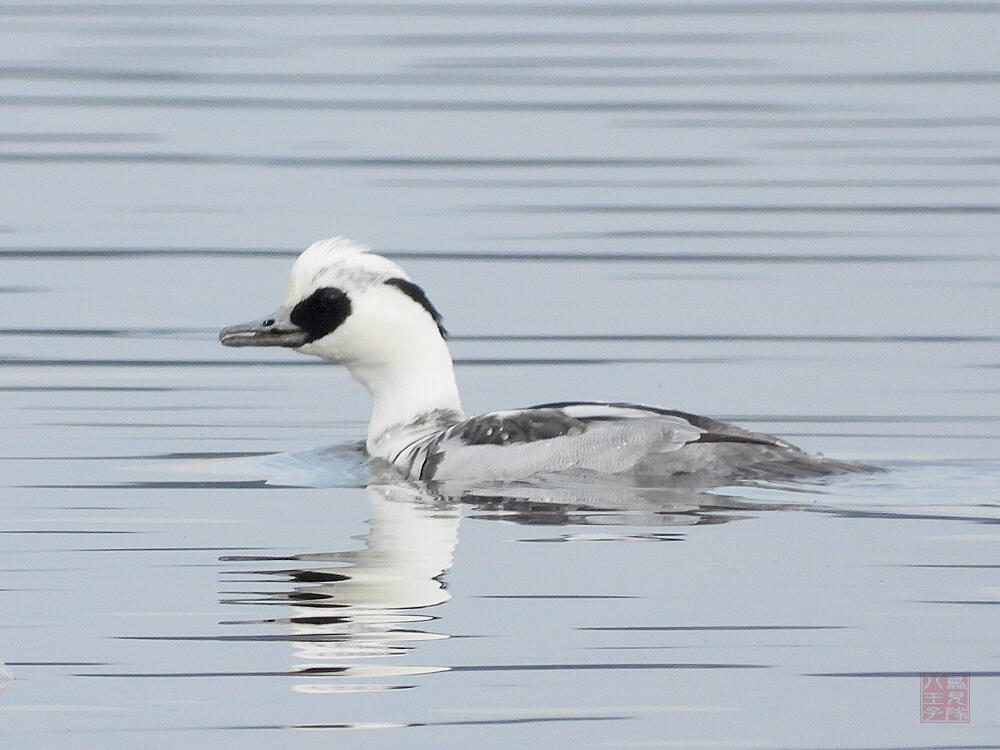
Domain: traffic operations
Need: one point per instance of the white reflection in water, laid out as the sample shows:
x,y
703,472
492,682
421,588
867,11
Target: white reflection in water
x,y
366,604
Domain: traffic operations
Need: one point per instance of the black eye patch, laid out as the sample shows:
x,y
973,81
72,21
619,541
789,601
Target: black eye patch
x,y
321,312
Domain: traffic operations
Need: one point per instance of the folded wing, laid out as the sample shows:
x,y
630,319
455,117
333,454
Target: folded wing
x,y
605,438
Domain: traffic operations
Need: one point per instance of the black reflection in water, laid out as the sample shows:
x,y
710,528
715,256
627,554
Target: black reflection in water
x,y
349,612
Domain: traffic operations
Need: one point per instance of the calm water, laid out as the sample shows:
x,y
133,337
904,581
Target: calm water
x,y
784,214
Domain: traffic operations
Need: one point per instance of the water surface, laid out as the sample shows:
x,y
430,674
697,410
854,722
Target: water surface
x,y
781,214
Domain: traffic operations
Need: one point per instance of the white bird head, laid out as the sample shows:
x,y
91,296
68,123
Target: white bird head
x,y
350,306
344,304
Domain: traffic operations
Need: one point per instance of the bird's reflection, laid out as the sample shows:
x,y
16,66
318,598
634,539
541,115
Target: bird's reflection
x,y
351,609
355,614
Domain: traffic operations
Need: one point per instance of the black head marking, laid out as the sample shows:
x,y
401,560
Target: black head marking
x,y
415,293
321,312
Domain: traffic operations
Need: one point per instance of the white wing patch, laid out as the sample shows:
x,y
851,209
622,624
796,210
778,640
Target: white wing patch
x,y
611,411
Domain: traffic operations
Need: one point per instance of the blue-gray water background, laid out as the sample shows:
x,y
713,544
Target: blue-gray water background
x,y
780,213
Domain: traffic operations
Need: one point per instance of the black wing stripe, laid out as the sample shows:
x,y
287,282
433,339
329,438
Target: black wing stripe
x,y
715,437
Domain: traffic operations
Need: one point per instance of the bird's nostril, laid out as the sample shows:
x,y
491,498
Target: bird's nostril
x,y
267,323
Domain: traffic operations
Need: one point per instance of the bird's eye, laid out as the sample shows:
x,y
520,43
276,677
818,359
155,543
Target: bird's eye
x,y
267,323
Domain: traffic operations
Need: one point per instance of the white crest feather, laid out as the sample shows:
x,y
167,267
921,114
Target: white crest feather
x,y
341,263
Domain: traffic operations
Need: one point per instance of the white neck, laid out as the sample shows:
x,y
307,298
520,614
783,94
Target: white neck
x,y
412,398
